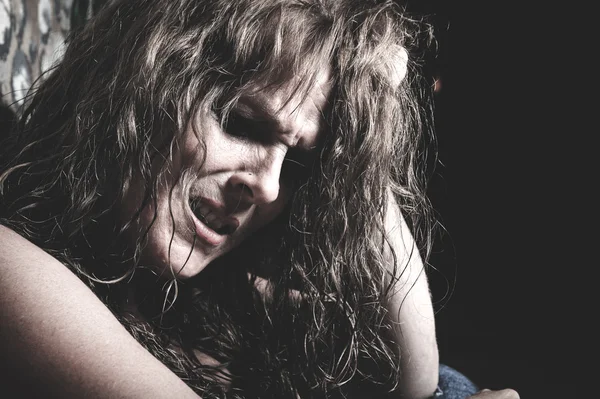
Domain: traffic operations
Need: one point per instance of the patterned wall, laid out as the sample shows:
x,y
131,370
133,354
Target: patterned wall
x,y
32,33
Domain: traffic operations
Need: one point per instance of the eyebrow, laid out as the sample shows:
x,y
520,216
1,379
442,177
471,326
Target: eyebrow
x,y
257,112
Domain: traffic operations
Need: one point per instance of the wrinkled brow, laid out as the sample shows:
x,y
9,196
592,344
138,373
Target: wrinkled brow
x,y
262,113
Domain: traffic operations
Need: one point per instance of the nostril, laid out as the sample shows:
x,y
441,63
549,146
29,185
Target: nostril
x,y
244,192
256,188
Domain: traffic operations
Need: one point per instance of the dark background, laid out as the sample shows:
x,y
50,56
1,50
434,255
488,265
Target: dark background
x,y
504,287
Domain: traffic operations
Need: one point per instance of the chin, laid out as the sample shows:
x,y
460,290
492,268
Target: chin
x,y
178,261
194,265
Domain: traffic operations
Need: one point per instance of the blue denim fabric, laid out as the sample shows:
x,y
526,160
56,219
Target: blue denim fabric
x,y
453,385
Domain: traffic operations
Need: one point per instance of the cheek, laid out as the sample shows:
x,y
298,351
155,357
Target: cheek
x,y
213,150
265,214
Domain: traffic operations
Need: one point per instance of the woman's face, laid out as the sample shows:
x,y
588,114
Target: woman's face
x,y
248,175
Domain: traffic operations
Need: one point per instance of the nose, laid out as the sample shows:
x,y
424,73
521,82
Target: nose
x,y
259,184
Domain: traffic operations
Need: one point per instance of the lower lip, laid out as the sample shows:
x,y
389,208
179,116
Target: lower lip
x,y
206,234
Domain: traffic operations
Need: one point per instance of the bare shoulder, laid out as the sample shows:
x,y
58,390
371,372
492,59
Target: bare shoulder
x,y
24,263
54,330
15,248
401,238
9,238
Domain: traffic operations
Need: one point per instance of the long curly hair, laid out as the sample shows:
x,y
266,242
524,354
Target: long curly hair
x,y
131,80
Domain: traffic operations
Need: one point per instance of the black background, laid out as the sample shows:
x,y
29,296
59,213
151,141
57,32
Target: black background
x,y
504,289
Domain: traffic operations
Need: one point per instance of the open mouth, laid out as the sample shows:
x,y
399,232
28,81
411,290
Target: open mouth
x,y
212,218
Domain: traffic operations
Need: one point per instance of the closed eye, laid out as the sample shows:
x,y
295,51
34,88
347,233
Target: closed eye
x,y
245,128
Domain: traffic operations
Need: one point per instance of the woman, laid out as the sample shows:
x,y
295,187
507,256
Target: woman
x,y
218,198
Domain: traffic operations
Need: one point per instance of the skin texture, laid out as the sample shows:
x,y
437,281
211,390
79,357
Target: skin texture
x,y
242,180
40,342
411,312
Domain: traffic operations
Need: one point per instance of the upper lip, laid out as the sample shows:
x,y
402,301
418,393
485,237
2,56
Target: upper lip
x,y
228,223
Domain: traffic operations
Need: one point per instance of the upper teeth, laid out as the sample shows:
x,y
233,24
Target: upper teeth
x,y
210,218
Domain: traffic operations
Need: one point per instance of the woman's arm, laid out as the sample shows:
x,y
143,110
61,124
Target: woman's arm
x,y
56,334
411,312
